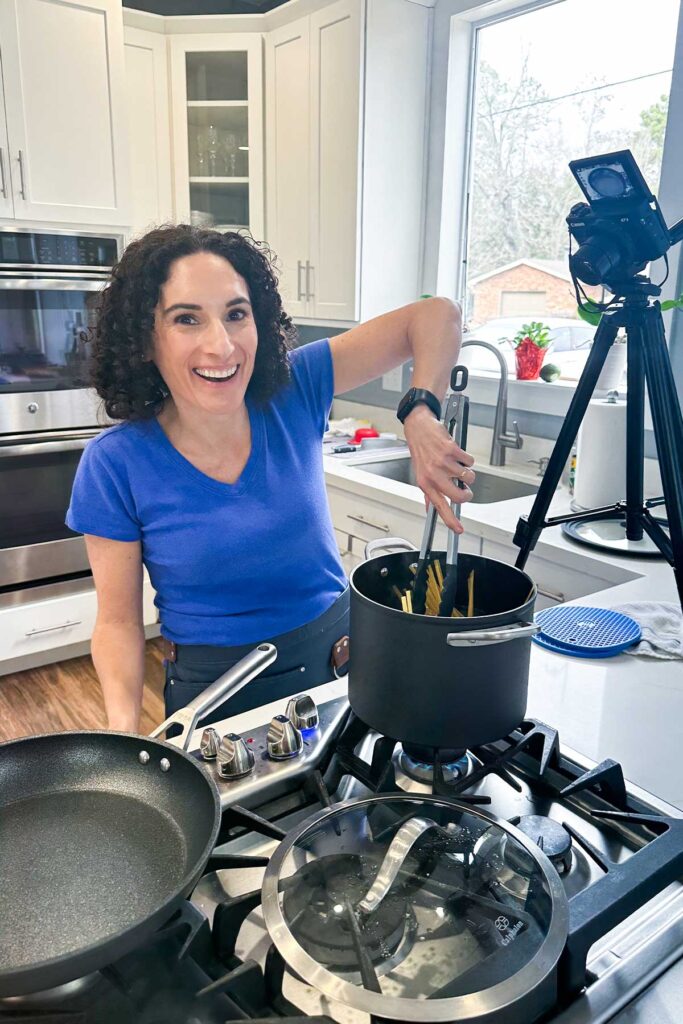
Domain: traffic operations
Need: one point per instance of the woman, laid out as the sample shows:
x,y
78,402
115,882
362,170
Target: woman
x,y
213,480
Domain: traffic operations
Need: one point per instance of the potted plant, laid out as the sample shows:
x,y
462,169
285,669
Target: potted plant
x,y
530,345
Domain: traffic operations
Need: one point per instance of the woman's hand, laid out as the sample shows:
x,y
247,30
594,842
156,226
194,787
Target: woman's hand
x,y
438,464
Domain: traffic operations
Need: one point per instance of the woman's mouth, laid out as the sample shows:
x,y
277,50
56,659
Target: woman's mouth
x,y
216,376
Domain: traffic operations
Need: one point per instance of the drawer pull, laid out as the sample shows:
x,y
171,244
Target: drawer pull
x,y
560,598
50,629
368,522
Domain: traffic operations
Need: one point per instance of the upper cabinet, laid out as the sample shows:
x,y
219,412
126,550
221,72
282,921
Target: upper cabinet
x,y
149,135
313,117
217,103
63,134
346,116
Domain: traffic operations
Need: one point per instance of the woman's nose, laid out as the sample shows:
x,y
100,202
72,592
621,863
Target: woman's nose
x,y
218,338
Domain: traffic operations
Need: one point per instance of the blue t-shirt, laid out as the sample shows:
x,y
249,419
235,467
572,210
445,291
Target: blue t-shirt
x,y
231,563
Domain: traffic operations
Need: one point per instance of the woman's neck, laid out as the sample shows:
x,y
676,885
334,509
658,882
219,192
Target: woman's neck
x,y
218,445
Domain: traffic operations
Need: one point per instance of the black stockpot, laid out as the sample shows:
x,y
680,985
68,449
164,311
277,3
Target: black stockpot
x,y
441,682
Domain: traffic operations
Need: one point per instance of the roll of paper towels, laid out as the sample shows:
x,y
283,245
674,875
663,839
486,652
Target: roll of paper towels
x,y
601,455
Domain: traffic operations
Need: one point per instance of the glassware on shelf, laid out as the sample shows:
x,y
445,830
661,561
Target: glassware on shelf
x,y
230,154
199,154
212,149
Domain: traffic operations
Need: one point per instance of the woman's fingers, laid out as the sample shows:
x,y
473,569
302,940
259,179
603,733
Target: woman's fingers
x,y
443,507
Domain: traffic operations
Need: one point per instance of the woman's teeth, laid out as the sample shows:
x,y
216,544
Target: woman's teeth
x,y
217,374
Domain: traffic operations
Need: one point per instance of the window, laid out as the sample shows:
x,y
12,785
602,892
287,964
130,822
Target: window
x,y
552,84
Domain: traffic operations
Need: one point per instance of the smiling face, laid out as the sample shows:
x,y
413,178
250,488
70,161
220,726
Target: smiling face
x,y
205,338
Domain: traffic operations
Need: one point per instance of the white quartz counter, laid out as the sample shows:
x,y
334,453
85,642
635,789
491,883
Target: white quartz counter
x,y
627,708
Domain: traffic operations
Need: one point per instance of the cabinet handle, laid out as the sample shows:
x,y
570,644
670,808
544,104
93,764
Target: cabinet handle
x,y
3,183
299,290
560,598
50,629
368,522
22,184
309,270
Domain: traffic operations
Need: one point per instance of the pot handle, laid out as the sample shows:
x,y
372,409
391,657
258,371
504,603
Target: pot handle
x,y
387,543
209,699
483,637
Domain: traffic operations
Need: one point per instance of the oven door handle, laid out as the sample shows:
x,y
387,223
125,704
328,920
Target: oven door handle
x,y
23,281
43,448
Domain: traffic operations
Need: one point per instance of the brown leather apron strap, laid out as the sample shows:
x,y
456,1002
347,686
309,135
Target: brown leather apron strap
x,y
340,655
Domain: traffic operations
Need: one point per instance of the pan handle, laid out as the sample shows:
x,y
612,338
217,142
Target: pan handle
x,y
482,637
387,544
208,700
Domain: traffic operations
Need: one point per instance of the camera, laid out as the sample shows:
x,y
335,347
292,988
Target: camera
x,y
621,228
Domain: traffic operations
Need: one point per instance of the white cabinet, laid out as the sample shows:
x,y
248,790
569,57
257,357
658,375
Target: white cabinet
x,y
149,134
313,88
346,109
6,200
64,97
217,103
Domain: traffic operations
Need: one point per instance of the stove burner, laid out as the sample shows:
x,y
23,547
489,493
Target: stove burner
x,y
455,764
550,837
319,899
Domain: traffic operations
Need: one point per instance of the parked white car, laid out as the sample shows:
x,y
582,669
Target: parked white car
x,y
571,341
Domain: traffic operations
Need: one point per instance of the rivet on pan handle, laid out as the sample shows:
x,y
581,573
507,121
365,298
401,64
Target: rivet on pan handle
x,y
208,700
482,637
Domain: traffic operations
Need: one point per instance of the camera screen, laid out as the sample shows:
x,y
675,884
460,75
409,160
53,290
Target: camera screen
x,y
609,177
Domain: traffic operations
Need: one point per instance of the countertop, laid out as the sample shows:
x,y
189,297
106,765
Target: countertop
x,y
627,708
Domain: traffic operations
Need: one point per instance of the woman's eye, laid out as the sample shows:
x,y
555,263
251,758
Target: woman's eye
x,y
184,318
236,314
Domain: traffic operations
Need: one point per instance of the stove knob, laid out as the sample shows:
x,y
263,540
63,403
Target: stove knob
x,y
235,759
302,712
209,744
284,739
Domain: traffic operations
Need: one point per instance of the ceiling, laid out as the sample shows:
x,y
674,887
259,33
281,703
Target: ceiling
x,y
178,7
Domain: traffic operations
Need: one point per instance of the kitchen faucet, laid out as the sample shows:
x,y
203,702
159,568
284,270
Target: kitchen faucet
x,y
501,438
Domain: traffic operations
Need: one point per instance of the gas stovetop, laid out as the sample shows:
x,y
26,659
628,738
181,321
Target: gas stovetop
x,y
617,852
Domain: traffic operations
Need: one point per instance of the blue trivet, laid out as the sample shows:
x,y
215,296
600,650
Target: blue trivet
x,y
586,632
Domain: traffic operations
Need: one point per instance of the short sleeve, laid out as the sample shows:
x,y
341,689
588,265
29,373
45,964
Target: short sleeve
x,y
101,501
313,373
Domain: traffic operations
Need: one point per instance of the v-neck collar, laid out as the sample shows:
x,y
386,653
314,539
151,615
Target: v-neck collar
x,y
217,486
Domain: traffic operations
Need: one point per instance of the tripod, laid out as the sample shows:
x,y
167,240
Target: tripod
x,y
648,360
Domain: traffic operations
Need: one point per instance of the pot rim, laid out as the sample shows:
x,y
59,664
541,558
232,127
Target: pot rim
x,y
455,624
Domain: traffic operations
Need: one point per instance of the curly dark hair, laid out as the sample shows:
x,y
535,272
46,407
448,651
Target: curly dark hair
x,y
130,385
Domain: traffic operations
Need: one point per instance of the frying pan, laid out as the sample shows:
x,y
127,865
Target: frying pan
x,y
102,836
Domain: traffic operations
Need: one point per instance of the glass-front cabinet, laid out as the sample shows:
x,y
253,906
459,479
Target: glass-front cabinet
x,y
218,130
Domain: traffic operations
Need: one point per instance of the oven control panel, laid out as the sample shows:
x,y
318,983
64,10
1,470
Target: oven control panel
x,y
42,249
263,762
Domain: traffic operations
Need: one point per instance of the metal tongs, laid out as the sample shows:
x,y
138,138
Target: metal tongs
x,y
455,421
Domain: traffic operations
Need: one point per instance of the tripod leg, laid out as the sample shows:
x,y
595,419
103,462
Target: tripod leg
x,y
529,527
668,427
635,431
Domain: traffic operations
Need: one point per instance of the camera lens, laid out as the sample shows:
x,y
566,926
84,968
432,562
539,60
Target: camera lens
x,y
607,183
596,260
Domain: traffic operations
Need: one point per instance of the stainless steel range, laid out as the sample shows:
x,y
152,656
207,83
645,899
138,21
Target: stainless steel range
x,y
356,879
49,286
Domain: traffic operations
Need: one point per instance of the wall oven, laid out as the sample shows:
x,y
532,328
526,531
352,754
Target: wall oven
x,y
50,284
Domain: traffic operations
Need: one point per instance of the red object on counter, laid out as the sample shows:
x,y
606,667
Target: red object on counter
x,y
363,432
529,359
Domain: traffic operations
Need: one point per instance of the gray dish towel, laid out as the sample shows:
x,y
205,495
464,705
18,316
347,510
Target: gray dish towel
x,y
661,623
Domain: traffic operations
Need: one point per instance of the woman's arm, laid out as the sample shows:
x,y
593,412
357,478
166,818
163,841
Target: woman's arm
x,y
118,641
429,333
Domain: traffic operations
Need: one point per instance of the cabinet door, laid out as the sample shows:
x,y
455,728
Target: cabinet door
x,y
217,103
6,203
148,129
336,69
65,99
288,190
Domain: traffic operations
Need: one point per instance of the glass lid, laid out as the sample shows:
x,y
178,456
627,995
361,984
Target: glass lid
x,y
409,898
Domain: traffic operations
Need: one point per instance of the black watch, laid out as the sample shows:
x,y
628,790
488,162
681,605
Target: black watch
x,y
417,396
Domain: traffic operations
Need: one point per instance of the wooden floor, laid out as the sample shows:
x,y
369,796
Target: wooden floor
x,y
67,695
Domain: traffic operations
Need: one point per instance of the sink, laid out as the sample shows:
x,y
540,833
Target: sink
x,y
487,488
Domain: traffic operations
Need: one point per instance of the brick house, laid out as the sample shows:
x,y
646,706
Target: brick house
x,y
525,288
